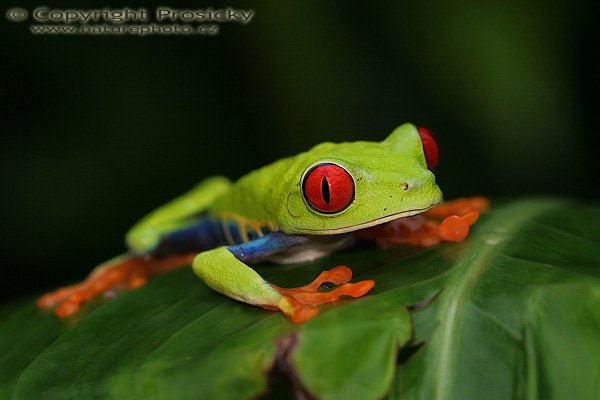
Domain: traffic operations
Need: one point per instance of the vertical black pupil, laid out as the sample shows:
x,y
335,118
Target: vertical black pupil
x,y
325,190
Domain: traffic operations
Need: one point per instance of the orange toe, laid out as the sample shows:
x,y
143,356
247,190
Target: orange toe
x,y
471,217
361,288
48,301
454,228
53,299
66,309
337,275
303,314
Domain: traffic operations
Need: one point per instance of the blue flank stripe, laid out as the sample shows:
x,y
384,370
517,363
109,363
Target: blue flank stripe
x,y
269,244
194,238
208,233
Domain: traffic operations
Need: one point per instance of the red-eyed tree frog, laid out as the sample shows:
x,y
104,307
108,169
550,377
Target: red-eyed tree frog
x,y
294,209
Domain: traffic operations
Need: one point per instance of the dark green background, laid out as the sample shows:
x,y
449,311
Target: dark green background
x,y
99,130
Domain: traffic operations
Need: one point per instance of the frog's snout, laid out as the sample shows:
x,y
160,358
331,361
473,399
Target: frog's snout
x,y
421,189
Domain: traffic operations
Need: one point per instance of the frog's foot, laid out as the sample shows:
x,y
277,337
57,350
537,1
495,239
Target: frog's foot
x,y
456,218
299,303
460,206
447,222
125,272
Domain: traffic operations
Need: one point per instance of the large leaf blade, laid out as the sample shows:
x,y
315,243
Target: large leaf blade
x,y
477,347
176,338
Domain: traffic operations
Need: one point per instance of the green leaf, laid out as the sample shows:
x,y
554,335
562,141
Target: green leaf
x,y
492,333
510,313
563,344
340,348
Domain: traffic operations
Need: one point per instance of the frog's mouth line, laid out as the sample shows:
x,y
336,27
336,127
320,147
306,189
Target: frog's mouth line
x,y
369,224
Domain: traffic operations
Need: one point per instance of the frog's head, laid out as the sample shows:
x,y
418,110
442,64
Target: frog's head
x,y
338,188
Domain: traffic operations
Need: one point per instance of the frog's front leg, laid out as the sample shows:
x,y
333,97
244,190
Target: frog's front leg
x,y
224,270
448,222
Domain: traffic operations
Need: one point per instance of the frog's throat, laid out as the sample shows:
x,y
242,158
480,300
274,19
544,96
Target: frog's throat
x,y
378,221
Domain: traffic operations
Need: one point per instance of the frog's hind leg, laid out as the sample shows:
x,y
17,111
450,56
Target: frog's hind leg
x,y
123,272
167,238
177,215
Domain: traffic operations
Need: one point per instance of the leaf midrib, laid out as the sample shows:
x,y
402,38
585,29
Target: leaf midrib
x,y
495,233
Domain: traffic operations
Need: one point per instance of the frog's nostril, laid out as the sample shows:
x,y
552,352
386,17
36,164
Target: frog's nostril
x,y
411,184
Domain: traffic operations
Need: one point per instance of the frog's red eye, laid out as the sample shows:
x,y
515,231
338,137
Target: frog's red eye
x,y
328,188
430,147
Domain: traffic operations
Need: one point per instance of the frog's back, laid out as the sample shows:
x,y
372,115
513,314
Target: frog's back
x,y
259,195
223,213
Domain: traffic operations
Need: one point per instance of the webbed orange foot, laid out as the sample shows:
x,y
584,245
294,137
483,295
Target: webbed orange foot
x,y
457,216
301,302
125,272
447,222
455,228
